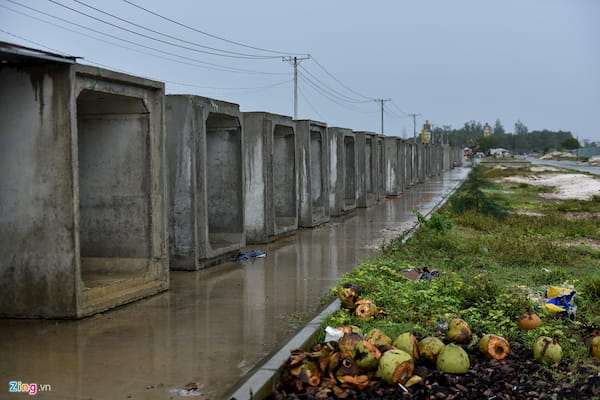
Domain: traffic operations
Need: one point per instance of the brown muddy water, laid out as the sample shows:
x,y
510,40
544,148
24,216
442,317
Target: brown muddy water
x,y
213,325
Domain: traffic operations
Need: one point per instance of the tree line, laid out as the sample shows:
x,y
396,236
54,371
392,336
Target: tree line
x,y
471,134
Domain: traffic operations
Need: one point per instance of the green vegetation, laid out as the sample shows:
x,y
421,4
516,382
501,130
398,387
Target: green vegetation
x,y
493,261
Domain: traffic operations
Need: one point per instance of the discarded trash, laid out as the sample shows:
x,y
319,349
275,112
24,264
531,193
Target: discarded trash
x,y
560,299
188,390
250,254
333,334
419,273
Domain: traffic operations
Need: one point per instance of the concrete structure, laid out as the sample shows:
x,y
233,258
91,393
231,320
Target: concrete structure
x,y
380,166
82,186
343,178
313,161
367,173
206,181
392,171
271,185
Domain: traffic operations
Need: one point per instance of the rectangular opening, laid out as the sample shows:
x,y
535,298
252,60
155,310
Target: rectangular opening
x,y
223,180
369,166
284,176
114,188
316,172
381,165
349,171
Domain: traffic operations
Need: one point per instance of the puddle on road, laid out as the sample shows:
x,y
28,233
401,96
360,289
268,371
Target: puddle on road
x,y
212,326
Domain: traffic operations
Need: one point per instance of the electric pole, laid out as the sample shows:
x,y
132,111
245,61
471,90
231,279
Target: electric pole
x,y
414,117
381,101
295,61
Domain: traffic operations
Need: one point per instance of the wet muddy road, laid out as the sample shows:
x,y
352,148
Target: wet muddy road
x,y
212,326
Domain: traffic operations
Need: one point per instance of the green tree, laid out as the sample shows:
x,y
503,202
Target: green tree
x,y
570,143
498,128
520,128
487,143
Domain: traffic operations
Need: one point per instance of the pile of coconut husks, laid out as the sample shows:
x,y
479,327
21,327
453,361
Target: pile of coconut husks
x,y
350,365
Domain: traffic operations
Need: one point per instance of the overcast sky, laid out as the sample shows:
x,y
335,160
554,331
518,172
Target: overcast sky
x,y
449,61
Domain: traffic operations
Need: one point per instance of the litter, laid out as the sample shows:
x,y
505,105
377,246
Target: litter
x,y
419,273
560,299
250,254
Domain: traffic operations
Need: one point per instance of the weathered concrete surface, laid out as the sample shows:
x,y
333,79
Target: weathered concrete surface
x,y
271,185
366,169
313,161
393,160
213,325
380,167
206,180
342,170
82,189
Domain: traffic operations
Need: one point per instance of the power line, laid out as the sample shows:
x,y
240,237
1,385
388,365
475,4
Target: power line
x,y
399,109
208,34
295,61
393,114
242,90
338,81
329,97
311,106
148,36
339,95
381,102
216,67
245,55
414,116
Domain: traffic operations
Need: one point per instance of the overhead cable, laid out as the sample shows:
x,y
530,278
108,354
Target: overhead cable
x,y
206,33
219,67
152,37
245,55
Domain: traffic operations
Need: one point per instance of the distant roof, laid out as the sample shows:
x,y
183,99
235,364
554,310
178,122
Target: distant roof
x,y
17,54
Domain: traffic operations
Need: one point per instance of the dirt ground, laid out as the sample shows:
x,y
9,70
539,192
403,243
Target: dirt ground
x,y
566,186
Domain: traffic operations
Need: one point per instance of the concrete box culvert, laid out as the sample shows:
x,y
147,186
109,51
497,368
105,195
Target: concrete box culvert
x,y
271,185
342,170
393,171
313,171
82,188
206,181
366,168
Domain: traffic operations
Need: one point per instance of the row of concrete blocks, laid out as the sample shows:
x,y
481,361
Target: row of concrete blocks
x,y
105,183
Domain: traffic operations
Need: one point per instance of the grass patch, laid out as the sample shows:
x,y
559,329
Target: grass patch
x,y
492,262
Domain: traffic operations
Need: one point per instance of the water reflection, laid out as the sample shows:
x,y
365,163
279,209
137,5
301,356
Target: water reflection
x,y
212,326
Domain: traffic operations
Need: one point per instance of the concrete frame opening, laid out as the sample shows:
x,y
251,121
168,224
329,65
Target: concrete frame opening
x,y
284,176
369,166
224,180
349,171
380,167
319,200
114,187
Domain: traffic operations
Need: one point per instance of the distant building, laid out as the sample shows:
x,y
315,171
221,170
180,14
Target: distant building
x,y
426,132
487,130
499,152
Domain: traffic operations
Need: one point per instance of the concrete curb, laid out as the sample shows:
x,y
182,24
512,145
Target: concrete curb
x,y
259,382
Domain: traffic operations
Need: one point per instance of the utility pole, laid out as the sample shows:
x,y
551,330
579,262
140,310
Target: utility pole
x,y
414,117
381,101
295,61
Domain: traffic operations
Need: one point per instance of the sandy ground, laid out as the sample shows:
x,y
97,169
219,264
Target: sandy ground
x,y
566,186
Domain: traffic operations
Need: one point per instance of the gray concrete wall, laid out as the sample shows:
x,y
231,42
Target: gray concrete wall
x,y
206,180
313,163
366,168
82,185
392,174
342,170
271,184
380,154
